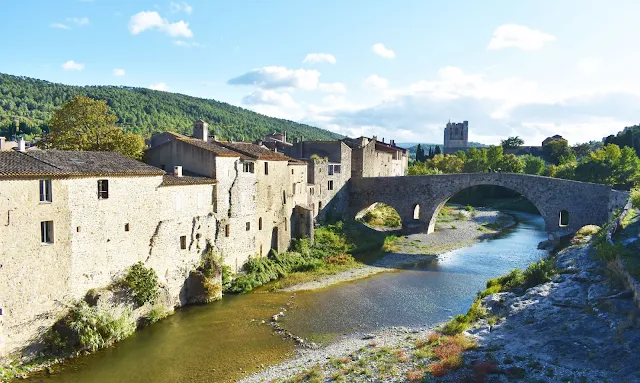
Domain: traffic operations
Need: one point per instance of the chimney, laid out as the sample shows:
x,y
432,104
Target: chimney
x,y
201,130
383,140
2,143
284,136
177,171
21,145
392,142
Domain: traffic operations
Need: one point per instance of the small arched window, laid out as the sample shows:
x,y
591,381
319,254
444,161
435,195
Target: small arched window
x,y
416,212
564,218
260,223
284,197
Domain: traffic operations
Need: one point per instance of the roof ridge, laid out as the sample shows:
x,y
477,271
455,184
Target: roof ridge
x,y
43,161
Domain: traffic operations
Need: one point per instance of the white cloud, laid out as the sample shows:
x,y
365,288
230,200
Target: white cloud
x,y
518,36
383,51
589,66
272,77
375,82
181,7
144,20
118,72
319,58
269,97
79,21
159,86
332,87
72,65
182,43
59,26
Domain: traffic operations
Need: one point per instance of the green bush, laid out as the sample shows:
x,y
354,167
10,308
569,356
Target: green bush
x,y
605,251
157,313
143,283
539,272
635,198
95,328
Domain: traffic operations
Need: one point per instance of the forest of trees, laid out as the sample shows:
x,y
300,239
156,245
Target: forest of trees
x,y
139,110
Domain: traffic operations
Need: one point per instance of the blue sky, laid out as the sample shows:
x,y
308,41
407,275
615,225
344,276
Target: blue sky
x,y
398,70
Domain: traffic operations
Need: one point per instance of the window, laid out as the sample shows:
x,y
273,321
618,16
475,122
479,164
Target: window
x,y
336,168
330,186
247,167
46,231
215,198
284,197
330,170
293,187
227,230
183,242
260,223
291,171
77,229
564,218
261,250
126,227
319,206
248,224
286,224
103,189
45,191
266,168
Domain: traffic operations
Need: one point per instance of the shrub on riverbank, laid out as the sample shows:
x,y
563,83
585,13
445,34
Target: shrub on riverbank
x,y
92,327
536,273
143,283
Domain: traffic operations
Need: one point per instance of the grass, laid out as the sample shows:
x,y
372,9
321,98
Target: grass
x,y
93,328
334,250
382,215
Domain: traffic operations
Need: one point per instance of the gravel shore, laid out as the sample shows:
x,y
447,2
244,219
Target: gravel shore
x,y
461,229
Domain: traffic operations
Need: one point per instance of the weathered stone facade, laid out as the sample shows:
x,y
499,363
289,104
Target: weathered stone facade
x,y
580,203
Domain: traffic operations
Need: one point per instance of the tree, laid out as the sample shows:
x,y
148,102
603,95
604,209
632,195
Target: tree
x,y
430,152
420,157
88,125
533,165
447,163
512,143
494,156
510,163
476,161
610,165
558,152
437,150
581,150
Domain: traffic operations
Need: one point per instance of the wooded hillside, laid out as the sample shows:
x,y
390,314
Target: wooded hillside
x,y
139,110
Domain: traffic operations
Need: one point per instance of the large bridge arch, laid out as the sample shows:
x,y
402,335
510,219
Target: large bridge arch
x,y
584,203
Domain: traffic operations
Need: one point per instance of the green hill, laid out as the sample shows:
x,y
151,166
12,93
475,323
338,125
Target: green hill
x,y
139,110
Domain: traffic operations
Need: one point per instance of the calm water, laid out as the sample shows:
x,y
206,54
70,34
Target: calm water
x,y
222,341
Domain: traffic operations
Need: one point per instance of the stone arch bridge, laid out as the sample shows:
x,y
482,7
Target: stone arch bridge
x,y
579,203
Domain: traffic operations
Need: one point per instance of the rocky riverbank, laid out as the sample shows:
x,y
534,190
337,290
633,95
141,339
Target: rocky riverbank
x,y
581,326
460,227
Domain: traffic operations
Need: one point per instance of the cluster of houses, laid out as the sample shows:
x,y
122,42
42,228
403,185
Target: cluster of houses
x,y
73,221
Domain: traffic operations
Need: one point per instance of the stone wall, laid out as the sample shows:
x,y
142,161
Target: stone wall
x,y
95,241
585,203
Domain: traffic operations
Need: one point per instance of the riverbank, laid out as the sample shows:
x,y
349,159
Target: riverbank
x,y
459,227
586,327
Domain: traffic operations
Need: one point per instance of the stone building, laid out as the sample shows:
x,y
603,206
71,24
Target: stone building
x,y
74,221
373,158
456,137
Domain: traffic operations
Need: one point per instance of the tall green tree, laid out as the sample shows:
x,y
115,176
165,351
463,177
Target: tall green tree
x,y
86,124
420,157
533,165
437,150
558,152
476,161
512,143
494,156
511,163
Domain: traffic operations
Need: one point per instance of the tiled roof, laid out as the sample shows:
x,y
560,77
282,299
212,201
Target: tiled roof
x,y
56,163
214,147
297,162
254,151
186,179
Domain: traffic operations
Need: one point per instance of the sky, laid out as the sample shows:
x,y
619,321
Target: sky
x,y
395,69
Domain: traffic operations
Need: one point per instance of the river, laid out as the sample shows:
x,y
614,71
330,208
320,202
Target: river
x,y
225,340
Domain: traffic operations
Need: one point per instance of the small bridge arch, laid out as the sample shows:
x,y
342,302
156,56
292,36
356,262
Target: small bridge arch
x,y
579,203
